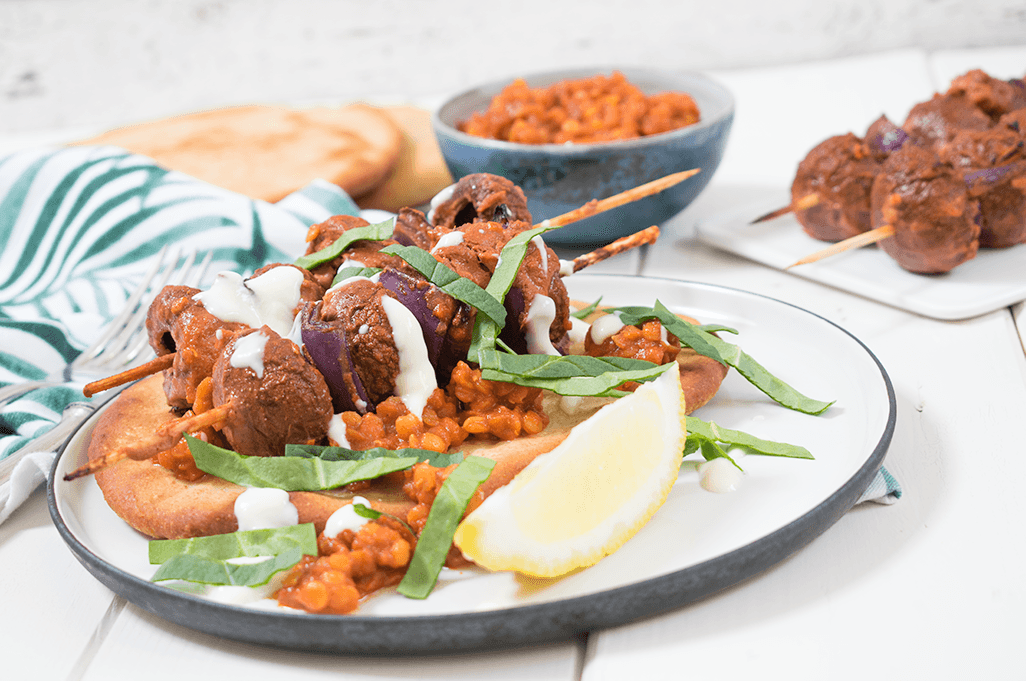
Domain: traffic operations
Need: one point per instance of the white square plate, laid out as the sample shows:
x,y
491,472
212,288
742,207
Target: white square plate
x,y
995,278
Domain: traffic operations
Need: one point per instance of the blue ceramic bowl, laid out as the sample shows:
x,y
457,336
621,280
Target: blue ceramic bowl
x,y
558,178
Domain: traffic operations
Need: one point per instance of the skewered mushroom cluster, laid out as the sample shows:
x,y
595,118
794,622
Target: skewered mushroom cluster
x,y
950,180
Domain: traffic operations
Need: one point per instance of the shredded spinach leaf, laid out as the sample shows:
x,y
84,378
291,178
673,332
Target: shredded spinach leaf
x,y
585,311
194,568
292,473
712,432
436,537
246,543
367,512
486,331
376,232
326,453
350,272
709,345
572,375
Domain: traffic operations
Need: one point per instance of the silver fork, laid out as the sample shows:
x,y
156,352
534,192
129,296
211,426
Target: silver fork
x,y
124,340
119,345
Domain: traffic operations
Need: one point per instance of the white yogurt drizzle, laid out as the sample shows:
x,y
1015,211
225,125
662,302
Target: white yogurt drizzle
x,y
345,518
719,475
578,332
438,199
604,327
260,508
566,268
337,431
540,316
349,280
249,353
448,239
537,241
268,299
416,377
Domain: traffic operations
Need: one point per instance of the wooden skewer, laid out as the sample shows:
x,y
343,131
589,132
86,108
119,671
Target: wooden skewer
x,y
857,241
804,203
165,437
596,206
153,366
645,236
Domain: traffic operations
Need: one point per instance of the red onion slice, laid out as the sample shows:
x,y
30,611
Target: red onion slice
x,y
328,348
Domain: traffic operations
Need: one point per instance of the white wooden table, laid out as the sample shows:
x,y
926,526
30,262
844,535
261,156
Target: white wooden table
x,y
930,587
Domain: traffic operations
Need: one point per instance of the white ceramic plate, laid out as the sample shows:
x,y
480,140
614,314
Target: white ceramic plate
x,y
698,543
990,281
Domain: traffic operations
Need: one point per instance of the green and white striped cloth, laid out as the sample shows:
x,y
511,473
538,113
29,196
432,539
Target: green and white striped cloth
x,y
79,227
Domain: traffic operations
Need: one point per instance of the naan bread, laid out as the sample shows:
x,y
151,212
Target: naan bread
x,y
419,173
267,152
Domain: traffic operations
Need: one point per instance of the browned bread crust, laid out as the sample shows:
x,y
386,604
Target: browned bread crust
x,y
267,152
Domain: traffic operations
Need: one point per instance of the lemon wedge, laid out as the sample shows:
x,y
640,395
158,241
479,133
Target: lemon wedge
x,y
583,500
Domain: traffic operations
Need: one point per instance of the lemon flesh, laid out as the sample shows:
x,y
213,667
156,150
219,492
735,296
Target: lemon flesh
x,y
580,502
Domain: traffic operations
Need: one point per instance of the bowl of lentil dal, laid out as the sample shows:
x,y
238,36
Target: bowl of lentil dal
x,y
568,137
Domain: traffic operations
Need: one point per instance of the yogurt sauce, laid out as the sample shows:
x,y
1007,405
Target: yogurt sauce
x,y
260,508
416,379
268,299
537,241
578,332
604,327
337,431
720,475
249,353
346,518
438,199
540,316
446,240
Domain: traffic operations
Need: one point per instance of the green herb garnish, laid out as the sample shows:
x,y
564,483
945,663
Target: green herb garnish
x,y
292,473
585,311
486,331
436,459
365,511
249,543
376,232
572,375
350,272
446,512
193,568
709,345
713,433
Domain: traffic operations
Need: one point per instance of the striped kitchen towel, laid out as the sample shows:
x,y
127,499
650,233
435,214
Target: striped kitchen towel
x,y
79,227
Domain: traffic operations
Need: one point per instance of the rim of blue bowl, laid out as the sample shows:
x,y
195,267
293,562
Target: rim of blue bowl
x,y
488,90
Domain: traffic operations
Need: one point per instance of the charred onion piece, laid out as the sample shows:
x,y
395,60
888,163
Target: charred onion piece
x,y
328,347
447,324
